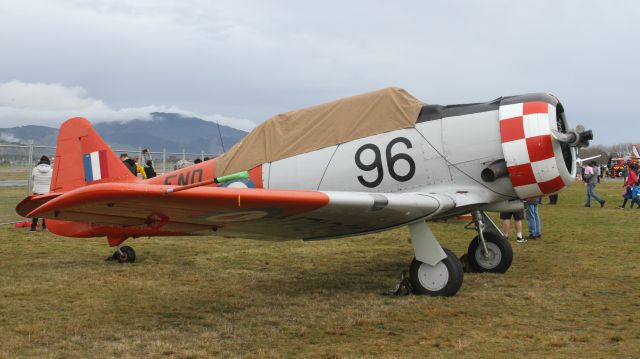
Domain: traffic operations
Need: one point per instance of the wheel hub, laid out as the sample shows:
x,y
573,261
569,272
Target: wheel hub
x,y
491,259
433,278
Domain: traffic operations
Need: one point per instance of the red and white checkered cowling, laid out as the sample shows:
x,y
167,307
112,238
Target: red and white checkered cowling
x,y
534,159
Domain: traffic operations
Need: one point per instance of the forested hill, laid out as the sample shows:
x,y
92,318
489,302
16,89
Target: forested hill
x,y
170,131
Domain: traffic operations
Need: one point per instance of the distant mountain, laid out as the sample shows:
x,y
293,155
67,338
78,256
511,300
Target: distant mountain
x,y
170,131
38,135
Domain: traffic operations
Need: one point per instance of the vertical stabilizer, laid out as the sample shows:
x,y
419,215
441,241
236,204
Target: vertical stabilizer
x,y
83,158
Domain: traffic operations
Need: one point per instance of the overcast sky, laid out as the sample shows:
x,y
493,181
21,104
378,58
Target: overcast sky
x,y
240,62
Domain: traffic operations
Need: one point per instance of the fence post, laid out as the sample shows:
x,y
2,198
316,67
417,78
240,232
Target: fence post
x,y
29,169
164,160
184,156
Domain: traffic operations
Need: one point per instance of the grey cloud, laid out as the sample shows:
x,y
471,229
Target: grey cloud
x,y
50,104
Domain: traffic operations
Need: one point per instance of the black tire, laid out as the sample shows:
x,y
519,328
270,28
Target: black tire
x,y
500,254
442,280
128,255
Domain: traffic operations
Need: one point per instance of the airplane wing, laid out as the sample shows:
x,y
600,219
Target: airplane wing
x,y
242,212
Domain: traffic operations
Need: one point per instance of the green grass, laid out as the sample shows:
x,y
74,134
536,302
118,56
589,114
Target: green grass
x,y
575,293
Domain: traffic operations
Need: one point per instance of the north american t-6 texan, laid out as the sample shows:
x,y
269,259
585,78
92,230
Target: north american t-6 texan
x,y
357,165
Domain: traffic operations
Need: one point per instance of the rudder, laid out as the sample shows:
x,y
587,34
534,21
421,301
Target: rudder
x,y
83,158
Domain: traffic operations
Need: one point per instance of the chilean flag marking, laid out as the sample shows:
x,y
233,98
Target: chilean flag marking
x,y
95,166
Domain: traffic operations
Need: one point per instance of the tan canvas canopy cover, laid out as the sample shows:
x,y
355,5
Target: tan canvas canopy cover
x,y
309,129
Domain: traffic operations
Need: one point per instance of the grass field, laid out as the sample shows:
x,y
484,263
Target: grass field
x,y
575,293
11,173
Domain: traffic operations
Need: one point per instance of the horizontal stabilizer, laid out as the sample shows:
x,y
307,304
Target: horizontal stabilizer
x,y
30,203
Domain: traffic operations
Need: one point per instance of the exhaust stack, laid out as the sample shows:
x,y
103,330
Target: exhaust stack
x,y
495,170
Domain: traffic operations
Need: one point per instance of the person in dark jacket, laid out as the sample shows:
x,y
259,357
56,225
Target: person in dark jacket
x,y
131,164
148,169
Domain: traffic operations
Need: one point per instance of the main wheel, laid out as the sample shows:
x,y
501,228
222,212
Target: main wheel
x,y
498,257
128,255
444,279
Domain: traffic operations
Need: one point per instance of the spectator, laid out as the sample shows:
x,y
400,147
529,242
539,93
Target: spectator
x,y
596,170
591,180
533,218
635,194
625,172
553,199
197,160
206,159
182,164
41,177
632,180
139,168
129,163
148,163
506,224
148,169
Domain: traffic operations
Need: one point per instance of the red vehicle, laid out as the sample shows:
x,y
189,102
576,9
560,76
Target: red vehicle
x,y
616,165
615,169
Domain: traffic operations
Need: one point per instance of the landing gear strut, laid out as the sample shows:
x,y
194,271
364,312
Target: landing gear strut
x,y
489,251
124,254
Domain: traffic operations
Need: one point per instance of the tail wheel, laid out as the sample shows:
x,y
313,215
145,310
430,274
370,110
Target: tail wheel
x,y
498,257
126,255
444,279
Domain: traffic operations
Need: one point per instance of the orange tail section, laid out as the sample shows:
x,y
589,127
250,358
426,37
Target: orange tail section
x,y
83,158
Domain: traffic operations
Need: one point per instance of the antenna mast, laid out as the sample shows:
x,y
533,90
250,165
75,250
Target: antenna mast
x,y
220,134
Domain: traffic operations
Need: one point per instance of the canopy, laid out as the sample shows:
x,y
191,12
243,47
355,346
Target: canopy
x,y
309,129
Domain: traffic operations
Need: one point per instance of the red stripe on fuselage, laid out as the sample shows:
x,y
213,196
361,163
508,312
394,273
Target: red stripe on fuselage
x,y
104,168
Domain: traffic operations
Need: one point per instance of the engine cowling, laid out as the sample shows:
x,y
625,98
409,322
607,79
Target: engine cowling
x,y
537,162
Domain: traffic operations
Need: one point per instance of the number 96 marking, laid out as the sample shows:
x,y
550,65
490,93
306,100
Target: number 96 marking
x,y
376,164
